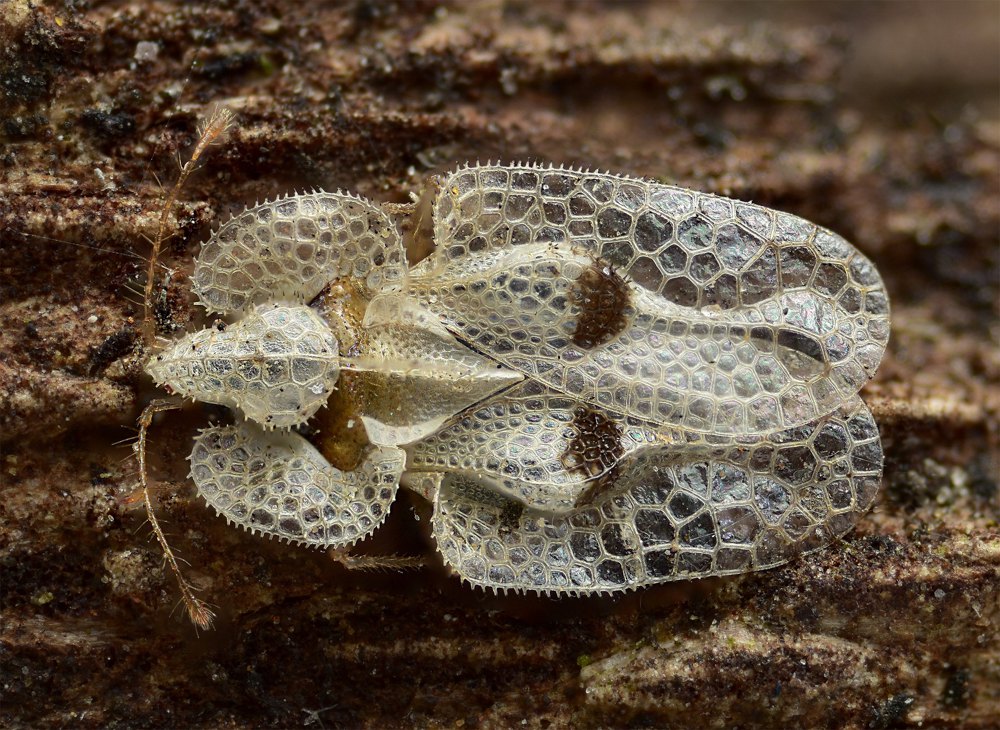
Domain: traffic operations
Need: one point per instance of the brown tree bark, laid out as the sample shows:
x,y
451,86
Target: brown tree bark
x,y
880,122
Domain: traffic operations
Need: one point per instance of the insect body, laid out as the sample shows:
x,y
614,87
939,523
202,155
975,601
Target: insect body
x,y
600,382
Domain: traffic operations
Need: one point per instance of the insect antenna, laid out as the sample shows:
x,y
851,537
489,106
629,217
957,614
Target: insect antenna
x,y
220,121
198,611
211,614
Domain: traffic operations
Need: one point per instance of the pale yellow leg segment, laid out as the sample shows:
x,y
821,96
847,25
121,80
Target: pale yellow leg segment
x,y
197,610
376,562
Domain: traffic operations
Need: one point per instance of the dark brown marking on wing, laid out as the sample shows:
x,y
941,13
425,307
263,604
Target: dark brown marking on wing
x,y
602,297
510,517
594,451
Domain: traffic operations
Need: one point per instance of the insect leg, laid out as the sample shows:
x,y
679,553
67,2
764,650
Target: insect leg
x,y
376,562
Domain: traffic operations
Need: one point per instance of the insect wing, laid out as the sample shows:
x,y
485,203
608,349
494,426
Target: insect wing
x,y
287,250
536,446
277,483
653,301
752,504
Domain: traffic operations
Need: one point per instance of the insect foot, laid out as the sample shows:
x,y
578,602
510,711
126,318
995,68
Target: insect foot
x,y
600,383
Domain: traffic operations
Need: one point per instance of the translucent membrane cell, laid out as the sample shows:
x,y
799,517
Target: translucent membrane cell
x,y
679,308
290,248
278,484
672,513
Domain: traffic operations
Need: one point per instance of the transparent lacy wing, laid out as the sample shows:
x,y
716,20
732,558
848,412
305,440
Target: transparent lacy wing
x,y
753,504
538,447
289,249
278,365
278,484
675,307
409,375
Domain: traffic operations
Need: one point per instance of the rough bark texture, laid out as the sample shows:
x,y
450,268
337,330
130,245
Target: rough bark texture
x,y
881,124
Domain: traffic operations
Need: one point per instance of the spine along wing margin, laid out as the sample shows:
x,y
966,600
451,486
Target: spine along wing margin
x,y
600,382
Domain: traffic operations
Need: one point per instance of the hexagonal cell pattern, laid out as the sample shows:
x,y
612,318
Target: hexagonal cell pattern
x,y
278,365
692,366
287,250
672,306
675,512
536,446
410,375
278,484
